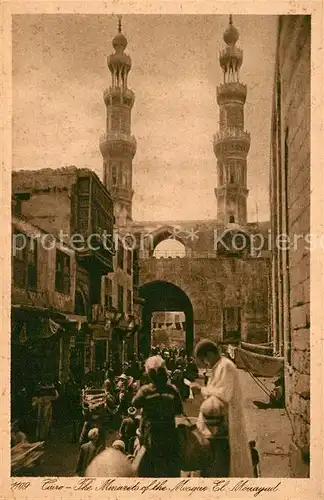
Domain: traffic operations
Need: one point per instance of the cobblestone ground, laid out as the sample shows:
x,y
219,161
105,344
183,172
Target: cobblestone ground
x,y
270,429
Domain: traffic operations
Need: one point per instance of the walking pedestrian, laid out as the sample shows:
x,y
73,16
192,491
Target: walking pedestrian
x,y
128,429
160,403
88,451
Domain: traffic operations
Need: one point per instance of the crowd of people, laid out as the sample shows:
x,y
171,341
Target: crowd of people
x,y
143,406
149,443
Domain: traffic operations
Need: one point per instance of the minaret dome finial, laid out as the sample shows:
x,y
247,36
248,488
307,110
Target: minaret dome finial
x,y
231,35
119,41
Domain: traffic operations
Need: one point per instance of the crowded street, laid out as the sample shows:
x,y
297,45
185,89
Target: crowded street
x,y
269,428
159,325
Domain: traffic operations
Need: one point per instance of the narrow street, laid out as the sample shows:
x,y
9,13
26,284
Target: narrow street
x,y
270,429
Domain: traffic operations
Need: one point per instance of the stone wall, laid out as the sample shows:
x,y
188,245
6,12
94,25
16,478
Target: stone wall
x,y
49,205
52,198
198,237
214,283
293,154
51,211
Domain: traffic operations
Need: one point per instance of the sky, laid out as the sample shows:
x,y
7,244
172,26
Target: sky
x,y
60,72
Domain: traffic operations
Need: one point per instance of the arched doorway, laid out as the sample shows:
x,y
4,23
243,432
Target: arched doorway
x,y
162,296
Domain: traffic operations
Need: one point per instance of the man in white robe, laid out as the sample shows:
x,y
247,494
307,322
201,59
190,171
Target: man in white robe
x,y
224,384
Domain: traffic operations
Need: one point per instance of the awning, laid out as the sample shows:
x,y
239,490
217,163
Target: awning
x,y
264,349
257,364
45,328
43,322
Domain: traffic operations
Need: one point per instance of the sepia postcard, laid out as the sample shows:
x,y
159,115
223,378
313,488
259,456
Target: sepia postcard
x,y
163,249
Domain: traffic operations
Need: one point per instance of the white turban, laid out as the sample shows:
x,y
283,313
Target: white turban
x,y
154,363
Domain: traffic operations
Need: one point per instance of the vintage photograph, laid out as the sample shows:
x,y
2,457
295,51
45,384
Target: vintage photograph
x,y
160,293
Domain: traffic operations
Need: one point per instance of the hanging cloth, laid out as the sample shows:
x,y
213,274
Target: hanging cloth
x,y
257,364
266,350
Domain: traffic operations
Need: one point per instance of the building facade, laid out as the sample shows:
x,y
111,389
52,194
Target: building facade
x,y
290,221
43,323
73,206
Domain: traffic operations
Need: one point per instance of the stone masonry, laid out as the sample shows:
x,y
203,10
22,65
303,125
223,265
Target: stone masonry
x,y
213,282
291,199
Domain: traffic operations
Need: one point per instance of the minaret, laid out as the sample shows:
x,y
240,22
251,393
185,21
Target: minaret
x,y
118,146
231,143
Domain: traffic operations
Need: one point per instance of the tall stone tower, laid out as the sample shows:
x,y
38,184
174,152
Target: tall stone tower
x,y
118,146
231,143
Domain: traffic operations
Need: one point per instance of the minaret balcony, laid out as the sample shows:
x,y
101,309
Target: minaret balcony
x,y
118,95
234,189
232,141
231,56
231,91
116,143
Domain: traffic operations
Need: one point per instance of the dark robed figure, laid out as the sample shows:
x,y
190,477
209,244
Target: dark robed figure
x,y
160,403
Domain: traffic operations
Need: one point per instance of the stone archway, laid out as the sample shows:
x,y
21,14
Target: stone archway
x,y
165,296
151,240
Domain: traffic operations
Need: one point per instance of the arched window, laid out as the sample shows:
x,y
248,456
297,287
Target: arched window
x,y
169,248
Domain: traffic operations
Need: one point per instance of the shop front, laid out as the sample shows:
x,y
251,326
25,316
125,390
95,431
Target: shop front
x,y
40,340
115,338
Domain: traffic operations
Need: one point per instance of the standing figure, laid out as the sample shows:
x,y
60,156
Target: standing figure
x,y
160,403
224,384
255,459
42,401
88,451
92,421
